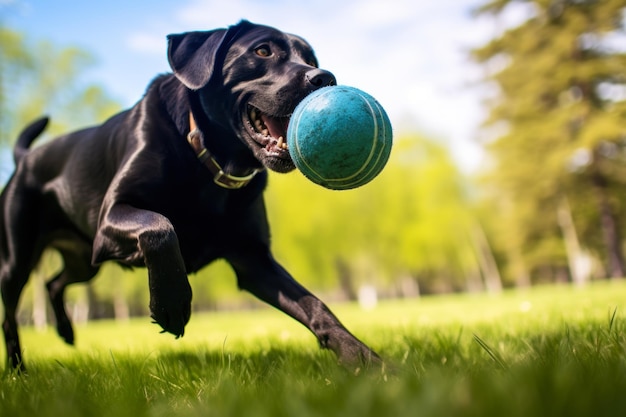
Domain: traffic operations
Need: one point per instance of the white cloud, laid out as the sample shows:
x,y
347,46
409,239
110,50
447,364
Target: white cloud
x,y
147,43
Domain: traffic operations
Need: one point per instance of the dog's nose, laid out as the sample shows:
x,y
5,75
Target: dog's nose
x,y
318,78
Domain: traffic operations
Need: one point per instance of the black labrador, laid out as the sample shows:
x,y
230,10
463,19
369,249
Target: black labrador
x,y
171,184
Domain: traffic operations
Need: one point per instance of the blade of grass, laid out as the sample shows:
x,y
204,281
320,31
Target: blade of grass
x,y
492,353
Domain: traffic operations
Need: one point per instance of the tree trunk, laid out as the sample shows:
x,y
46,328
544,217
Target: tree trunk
x,y
610,228
121,310
409,286
575,256
346,279
120,306
520,272
486,260
40,314
81,310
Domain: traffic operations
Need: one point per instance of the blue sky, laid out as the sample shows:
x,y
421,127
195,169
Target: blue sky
x,y
409,54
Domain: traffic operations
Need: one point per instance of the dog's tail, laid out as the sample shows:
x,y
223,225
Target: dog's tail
x,y
28,135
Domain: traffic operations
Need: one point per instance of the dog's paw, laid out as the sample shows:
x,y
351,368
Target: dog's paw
x,y
171,310
360,356
351,352
66,331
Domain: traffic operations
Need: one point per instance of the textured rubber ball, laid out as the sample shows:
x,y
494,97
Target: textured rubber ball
x,y
339,137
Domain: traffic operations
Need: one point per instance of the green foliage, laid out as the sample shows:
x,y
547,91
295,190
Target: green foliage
x,y
38,78
411,220
13,61
560,108
550,351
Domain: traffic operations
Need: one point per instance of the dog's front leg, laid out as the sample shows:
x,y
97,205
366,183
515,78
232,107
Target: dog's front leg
x,y
258,273
136,237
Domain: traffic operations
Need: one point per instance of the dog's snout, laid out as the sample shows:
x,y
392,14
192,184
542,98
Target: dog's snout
x,y
318,78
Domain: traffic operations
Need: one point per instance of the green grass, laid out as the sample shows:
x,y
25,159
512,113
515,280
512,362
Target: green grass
x,y
546,352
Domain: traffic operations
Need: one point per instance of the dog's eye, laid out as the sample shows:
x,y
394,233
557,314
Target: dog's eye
x,y
263,51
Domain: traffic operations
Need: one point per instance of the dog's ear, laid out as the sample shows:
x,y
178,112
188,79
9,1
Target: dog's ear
x,y
192,56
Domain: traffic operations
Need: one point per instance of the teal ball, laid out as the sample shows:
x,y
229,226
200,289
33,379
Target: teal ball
x,y
339,137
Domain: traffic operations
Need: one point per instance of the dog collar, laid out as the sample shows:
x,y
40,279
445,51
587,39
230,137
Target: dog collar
x,y
219,176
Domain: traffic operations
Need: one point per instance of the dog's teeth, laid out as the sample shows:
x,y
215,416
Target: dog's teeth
x,y
281,143
253,114
265,132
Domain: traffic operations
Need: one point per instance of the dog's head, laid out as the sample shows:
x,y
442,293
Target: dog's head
x,y
249,79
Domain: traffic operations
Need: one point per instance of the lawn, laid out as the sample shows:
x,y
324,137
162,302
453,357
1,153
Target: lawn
x,y
548,351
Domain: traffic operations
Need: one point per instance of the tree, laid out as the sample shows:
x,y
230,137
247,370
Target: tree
x,y
411,222
561,105
39,78
36,79
14,60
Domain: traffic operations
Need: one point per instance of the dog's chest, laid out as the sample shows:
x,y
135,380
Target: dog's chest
x,y
210,225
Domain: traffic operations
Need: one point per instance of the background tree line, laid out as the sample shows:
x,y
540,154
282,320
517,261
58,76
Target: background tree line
x,y
559,157
548,206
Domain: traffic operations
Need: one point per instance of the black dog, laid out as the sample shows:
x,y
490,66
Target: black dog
x,y
171,184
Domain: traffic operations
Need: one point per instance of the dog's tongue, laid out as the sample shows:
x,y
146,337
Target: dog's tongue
x,y
277,126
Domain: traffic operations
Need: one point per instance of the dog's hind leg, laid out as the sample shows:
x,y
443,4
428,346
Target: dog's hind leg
x,y
20,252
76,268
11,285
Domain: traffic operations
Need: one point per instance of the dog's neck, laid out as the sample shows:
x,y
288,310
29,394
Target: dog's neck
x,y
219,176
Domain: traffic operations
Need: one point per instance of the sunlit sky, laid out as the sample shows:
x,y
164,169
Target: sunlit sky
x,y
412,55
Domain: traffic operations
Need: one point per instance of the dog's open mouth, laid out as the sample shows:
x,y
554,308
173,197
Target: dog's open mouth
x,y
269,131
